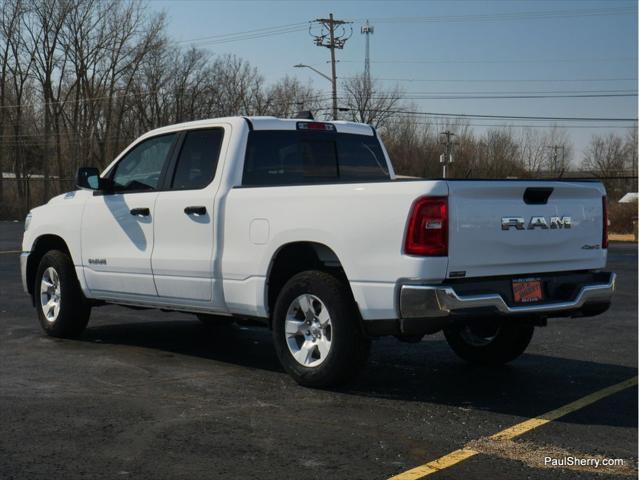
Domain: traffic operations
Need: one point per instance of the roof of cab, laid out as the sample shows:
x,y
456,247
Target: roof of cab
x,y
274,123
264,123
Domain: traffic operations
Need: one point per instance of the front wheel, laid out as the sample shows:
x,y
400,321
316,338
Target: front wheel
x,y
62,309
316,330
489,343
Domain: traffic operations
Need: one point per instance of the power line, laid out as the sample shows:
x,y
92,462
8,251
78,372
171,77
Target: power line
x,y
517,117
509,16
556,60
29,138
300,26
501,80
549,126
517,92
505,117
252,36
320,96
262,30
496,97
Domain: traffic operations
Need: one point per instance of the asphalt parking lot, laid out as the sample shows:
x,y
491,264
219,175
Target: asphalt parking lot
x,y
147,394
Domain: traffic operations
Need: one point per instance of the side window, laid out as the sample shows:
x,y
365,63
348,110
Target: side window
x,y
141,168
198,159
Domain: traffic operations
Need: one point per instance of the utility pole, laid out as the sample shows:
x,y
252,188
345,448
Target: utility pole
x,y
368,30
332,35
446,158
555,156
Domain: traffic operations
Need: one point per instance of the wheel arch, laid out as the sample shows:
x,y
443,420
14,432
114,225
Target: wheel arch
x,y
41,246
295,257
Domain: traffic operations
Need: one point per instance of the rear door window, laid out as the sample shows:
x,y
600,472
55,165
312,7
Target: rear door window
x,y
198,159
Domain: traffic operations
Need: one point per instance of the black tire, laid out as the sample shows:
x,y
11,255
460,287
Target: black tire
x,y
349,348
74,310
489,344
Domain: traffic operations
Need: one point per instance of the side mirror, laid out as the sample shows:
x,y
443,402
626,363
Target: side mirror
x,y
88,177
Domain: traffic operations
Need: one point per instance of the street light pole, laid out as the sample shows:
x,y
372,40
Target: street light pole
x,y
301,65
333,84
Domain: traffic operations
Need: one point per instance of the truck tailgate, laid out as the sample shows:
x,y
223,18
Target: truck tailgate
x,y
495,231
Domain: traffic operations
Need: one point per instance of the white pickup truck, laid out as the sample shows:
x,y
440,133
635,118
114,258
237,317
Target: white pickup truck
x,y
304,226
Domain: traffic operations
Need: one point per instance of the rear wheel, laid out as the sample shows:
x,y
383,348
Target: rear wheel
x,y
316,330
489,343
63,310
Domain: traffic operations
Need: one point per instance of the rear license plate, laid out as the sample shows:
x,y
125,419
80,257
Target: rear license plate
x,y
528,290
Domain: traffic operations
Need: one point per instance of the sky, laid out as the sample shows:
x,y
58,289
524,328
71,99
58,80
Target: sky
x,y
576,47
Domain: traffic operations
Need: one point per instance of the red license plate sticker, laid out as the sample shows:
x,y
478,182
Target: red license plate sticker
x,y
525,291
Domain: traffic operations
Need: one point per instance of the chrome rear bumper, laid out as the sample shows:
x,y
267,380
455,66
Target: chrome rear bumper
x,y
437,301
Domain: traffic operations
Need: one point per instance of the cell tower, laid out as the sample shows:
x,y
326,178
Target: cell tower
x,y
367,29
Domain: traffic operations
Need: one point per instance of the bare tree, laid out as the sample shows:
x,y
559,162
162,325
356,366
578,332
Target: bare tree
x,y
19,70
288,96
10,18
631,155
368,102
132,34
499,155
605,156
630,145
79,79
239,86
44,25
534,151
409,146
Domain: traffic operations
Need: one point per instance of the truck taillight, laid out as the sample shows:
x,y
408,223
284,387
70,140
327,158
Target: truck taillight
x,y
427,232
604,238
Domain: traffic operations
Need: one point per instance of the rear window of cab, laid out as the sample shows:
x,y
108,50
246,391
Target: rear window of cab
x,y
285,157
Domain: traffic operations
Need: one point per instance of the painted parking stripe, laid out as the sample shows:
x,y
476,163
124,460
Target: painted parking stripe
x,y
516,430
10,251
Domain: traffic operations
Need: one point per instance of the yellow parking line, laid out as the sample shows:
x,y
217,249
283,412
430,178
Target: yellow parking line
x,y
528,425
10,251
509,433
436,465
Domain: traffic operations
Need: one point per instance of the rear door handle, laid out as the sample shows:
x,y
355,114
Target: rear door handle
x,y
199,210
140,212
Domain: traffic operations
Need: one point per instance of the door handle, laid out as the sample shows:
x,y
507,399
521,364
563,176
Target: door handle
x,y
140,212
195,210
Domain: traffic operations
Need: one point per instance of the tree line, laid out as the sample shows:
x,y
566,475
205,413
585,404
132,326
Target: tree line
x,y
81,79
